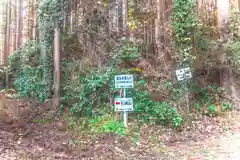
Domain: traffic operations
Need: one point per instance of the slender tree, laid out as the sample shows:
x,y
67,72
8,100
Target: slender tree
x,y
114,15
3,32
223,13
19,23
57,72
15,26
124,13
7,37
34,19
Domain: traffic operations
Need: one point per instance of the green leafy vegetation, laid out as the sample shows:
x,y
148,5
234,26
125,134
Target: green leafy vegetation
x,y
27,71
209,100
106,124
49,15
88,92
184,22
234,42
29,83
158,112
101,39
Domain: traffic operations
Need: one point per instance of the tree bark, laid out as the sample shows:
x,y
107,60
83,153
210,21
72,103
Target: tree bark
x,y
34,20
19,25
4,55
159,30
222,14
125,14
8,38
57,72
114,15
15,27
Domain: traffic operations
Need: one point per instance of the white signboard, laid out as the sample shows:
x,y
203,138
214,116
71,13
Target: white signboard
x,y
124,81
123,104
184,73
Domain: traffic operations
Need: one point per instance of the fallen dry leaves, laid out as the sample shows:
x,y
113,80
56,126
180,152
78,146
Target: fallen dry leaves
x,y
203,138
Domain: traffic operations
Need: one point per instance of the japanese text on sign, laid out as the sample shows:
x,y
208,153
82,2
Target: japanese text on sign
x,y
124,104
124,81
183,74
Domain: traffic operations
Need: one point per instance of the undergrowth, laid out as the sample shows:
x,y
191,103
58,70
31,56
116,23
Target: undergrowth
x,y
209,100
97,125
87,93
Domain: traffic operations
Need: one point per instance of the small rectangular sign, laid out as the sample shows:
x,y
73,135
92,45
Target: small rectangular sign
x,y
124,81
183,74
123,104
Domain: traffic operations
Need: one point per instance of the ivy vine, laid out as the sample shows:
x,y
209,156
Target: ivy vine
x,y
50,14
184,21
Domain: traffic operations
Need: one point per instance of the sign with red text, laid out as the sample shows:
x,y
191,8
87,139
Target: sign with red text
x,y
123,104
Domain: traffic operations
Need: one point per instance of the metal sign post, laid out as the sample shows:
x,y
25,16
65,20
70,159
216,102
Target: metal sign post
x,y
124,104
184,74
125,115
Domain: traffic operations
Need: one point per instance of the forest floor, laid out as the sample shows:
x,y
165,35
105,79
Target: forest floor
x,y
202,139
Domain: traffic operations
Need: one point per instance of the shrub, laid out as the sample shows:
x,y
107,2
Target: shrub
x,y
161,112
26,55
27,72
91,92
106,124
29,83
234,24
234,47
209,100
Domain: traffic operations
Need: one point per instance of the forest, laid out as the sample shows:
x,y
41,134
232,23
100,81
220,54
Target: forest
x,y
58,94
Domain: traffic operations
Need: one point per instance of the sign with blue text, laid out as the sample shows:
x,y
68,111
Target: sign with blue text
x,y
124,81
123,104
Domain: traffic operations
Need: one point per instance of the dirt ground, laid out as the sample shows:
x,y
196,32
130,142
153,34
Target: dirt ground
x,y
23,138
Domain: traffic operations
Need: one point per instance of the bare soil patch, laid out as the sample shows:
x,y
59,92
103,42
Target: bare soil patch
x,y
24,137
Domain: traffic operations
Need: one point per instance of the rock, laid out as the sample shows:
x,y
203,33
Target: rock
x,y
61,126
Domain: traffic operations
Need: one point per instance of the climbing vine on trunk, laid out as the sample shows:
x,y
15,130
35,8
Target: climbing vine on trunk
x,y
50,14
184,21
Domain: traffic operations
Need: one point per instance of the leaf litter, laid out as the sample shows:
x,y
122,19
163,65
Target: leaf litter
x,y
204,138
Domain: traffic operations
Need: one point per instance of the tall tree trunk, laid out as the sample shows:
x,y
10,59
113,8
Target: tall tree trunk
x,y
71,16
30,19
159,30
114,8
57,71
159,24
222,13
66,17
15,26
4,33
19,24
26,24
34,20
125,14
8,37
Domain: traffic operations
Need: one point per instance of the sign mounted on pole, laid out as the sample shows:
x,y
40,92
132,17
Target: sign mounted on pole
x,y
184,73
123,104
124,81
